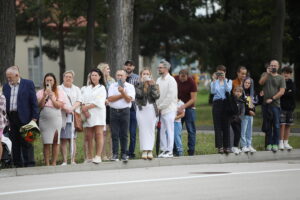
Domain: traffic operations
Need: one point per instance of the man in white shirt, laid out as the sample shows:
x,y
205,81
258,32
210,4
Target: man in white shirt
x,y
120,96
167,105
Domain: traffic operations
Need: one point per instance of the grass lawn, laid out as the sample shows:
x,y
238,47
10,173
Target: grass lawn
x,y
204,113
205,143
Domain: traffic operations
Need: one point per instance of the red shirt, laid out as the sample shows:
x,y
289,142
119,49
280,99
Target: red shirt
x,y
185,88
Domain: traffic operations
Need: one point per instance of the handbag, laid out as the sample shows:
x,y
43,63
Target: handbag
x,y
78,122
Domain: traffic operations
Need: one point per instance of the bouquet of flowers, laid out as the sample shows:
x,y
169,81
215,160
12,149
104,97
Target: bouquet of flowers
x,y
30,132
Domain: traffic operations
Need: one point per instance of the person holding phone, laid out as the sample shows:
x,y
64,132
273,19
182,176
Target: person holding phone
x,y
146,113
219,86
51,100
120,97
273,88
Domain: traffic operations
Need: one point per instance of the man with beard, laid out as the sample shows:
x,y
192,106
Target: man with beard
x,y
133,79
167,106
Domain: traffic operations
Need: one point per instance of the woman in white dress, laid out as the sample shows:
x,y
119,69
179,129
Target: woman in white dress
x,y
146,113
107,147
94,110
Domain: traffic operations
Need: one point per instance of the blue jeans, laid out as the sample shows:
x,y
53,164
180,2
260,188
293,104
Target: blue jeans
x,y
273,133
132,132
246,133
177,137
189,120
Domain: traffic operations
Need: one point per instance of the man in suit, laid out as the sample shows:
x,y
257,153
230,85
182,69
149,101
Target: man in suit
x,y
22,107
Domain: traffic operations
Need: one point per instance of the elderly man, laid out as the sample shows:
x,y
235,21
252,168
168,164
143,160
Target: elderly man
x,y
187,92
120,96
167,105
21,107
133,79
273,88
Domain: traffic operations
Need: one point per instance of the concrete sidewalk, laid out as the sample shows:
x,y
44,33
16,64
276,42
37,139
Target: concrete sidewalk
x,y
185,160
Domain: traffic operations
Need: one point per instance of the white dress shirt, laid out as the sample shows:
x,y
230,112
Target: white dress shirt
x,y
121,103
13,105
167,101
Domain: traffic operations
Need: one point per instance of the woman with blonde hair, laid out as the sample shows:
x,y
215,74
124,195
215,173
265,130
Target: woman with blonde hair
x,y
51,100
146,113
68,134
107,148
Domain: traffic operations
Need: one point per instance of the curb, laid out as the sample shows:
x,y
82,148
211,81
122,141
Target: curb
x,y
157,162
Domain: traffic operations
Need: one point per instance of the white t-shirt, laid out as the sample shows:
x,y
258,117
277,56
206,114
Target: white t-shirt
x,y
179,103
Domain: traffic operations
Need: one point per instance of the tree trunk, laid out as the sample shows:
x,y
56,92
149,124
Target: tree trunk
x,y
7,36
120,37
277,30
90,39
136,38
61,51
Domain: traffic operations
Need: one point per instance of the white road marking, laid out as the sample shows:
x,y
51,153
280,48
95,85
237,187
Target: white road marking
x,y
143,181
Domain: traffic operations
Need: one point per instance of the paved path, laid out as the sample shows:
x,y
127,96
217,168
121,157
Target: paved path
x,y
265,180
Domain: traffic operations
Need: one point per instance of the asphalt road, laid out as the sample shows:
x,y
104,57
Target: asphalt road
x,y
267,180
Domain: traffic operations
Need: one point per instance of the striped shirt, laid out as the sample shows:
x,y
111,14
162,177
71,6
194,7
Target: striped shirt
x,y
13,96
133,79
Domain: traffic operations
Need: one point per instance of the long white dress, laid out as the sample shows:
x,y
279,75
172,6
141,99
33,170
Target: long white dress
x,y
146,120
95,95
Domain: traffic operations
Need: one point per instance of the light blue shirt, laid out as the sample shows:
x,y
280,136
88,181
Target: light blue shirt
x,y
219,90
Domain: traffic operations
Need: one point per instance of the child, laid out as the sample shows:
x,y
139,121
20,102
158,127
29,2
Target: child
x,y
287,103
236,119
178,129
247,119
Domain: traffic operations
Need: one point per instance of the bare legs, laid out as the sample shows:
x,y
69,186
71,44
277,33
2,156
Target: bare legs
x,y
64,151
97,133
55,150
284,131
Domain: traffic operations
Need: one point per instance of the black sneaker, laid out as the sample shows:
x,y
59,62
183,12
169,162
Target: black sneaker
x,y
115,157
124,158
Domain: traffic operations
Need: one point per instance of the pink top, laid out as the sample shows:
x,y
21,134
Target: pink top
x,y
61,97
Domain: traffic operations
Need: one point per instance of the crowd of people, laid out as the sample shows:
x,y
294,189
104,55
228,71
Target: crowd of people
x,y
277,99
110,108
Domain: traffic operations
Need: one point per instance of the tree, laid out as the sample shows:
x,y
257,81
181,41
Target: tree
x,y
61,23
7,36
119,44
277,29
90,38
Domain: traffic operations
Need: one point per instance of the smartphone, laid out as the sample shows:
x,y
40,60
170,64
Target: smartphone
x,y
147,78
48,86
120,83
219,74
274,70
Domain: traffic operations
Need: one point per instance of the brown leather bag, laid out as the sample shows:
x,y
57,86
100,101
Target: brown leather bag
x,y
78,122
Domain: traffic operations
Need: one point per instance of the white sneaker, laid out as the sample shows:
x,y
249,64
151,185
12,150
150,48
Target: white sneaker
x,y
287,146
168,155
251,149
161,154
97,160
235,150
281,146
144,155
64,164
245,149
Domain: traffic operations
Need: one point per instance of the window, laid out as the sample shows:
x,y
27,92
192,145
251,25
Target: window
x,y
35,71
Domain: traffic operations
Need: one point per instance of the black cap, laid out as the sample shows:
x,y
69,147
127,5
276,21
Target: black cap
x,y
129,62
